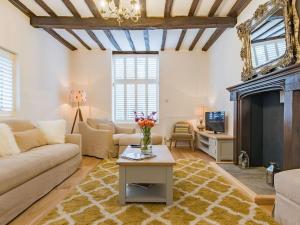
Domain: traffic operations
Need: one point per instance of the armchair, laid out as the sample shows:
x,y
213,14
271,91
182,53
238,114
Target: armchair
x,y
98,143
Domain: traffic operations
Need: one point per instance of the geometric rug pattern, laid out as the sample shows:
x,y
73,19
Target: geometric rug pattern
x,y
201,196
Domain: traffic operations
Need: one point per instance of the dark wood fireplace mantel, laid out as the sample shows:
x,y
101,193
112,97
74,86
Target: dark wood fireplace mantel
x,y
288,82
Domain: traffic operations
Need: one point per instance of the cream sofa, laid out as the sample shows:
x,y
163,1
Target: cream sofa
x,y
28,176
111,140
287,200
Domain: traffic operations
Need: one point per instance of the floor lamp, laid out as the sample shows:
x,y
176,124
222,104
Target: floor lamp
x,y
77,97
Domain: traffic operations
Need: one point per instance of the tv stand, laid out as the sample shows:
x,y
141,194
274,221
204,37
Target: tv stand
x,y
219,146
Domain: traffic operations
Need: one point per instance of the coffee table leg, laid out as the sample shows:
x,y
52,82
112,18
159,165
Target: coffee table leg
x,y
169,186
122,185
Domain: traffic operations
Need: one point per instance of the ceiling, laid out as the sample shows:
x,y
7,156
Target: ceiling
x,y
80,38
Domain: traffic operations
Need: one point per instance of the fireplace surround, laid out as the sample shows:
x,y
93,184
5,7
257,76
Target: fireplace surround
x,y
267,118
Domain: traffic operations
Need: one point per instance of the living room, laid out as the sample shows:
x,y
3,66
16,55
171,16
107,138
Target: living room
x,y
86,85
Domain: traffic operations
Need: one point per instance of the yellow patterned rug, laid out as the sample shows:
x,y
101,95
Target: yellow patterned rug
x,y
201,196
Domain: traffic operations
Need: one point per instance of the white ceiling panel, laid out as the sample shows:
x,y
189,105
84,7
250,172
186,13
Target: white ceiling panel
x,y
82,8
68,37
225,7
181,7
155,37
58,7
204,38
34,7
121,39
204,7
138,39
172,38
189,37
103,39
155,8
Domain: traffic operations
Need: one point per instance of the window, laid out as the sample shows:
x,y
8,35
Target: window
x,y
7,82
135,86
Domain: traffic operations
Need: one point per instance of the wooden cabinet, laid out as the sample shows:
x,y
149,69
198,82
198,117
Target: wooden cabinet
x,y
219,146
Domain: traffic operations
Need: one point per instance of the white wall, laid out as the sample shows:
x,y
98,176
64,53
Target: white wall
x,y
42,63
225,66
183,84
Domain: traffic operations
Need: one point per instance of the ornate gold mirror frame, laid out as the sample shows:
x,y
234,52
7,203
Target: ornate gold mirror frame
x,y
291,21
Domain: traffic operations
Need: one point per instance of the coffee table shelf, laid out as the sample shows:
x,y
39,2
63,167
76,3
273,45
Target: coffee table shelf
x,y
154,193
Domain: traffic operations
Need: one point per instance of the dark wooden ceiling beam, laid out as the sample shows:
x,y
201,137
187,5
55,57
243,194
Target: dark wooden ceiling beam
x,y
211,13
60,39
44,6
71,8
193,7
183,31
95,39
129,39
180,22
143,8
112,40
22,7
167,14
215,7
196,39
78,38
168,8
238,7
213,38
180,40
164,38
93,8
146,39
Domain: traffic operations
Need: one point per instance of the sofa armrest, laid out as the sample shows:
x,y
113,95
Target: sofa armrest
x,y
74,139
125,130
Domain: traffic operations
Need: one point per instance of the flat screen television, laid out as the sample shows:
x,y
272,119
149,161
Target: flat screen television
x,y
215,121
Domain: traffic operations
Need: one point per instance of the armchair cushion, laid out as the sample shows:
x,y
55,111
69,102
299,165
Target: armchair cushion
x,y
106,126
183,136
94,123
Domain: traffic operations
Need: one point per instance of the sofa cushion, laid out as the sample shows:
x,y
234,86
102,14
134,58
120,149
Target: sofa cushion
x,y
287,183
17,169
135,139
29,139
94,123
19,125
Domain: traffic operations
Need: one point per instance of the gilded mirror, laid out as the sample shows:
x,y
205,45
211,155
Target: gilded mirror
x,y
268,39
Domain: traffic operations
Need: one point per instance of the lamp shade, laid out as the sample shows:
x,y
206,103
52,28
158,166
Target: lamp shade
x,y
78,96
200,111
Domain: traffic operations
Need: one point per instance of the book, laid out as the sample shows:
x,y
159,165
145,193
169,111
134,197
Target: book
x,y
137,156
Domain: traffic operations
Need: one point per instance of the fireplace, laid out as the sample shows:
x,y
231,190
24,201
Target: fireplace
x,y
262,134
267,119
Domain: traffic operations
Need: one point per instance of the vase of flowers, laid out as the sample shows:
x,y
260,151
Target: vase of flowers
x,y
145,124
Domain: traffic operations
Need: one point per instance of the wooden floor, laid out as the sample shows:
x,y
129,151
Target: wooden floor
x,y
38,210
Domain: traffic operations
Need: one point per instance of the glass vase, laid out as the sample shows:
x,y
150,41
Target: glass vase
x,y
146,147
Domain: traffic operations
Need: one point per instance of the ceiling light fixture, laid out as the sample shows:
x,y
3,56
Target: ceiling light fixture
x,y
109,10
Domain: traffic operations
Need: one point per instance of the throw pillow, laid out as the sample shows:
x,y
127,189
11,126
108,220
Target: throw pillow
x,y
8,145
54,131
30,139
182,128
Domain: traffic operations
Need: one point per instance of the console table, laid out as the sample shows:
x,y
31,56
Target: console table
x,y
219,146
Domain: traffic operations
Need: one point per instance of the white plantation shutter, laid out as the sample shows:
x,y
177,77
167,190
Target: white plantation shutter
x,y
135,86
6,82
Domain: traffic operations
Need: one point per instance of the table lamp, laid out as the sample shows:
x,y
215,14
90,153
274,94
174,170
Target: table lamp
x,y
77,97
201,113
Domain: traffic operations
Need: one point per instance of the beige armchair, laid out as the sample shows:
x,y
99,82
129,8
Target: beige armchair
x,y
182,131
97,143
100,137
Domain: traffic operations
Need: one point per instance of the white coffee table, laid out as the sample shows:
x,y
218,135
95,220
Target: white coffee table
x,y
156,171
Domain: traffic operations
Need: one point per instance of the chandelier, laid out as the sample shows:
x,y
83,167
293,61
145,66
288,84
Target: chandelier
x,y
109,10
